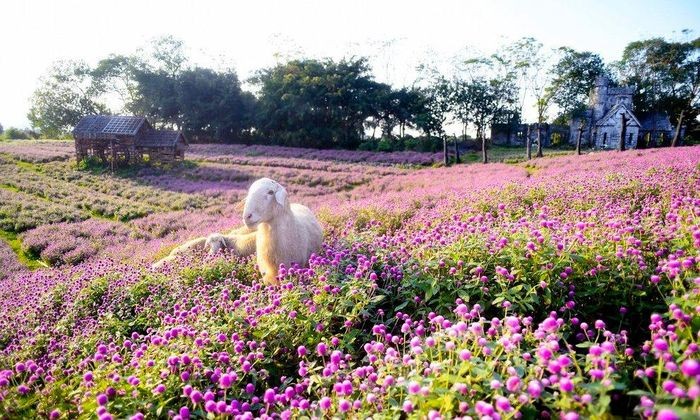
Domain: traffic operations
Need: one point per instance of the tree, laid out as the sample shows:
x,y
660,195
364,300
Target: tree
x,y
116,76
667,77
65,95
212,104
435,106
573,77
316,103
528,63
488,94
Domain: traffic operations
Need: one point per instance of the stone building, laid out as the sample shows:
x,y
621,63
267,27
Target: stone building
x,y
514,134
602,121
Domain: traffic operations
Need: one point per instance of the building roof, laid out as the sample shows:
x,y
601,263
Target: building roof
x,y
124,125
160,138
108,126
614,111
91,125
658,121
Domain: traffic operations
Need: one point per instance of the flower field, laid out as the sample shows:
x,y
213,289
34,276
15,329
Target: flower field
x,y
567,287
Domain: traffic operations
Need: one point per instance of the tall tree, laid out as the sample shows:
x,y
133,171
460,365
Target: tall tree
x,y
433,113
490,94
573,77
65,95
212,104
316,103
667,77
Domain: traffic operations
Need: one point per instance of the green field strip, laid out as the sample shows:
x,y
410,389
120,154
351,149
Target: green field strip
x,y
15,243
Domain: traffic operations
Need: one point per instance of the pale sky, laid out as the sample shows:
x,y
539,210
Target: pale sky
x,y
247,34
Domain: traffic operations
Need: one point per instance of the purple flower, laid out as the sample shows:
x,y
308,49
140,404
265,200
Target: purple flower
x,y
513,384
503,404
325,403
269,396
407,406
534,388
102,399
660,344
226,381
322,349
413,387
667,414
690,367
344,405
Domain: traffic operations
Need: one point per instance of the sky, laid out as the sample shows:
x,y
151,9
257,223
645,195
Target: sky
x,y
250,35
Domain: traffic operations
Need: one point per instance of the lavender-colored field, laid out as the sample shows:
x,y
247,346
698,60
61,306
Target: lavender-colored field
x,y
563,287
70,216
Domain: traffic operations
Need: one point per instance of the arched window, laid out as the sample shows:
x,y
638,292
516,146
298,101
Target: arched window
x,y
605,139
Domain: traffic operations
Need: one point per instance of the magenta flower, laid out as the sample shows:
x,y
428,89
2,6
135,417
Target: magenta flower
x,y
690,367
325,403
102,400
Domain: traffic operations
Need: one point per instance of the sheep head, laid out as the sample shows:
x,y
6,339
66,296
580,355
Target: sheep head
x,y
265,200
215,242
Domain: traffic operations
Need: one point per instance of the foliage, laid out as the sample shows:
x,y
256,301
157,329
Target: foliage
x,y
666,76
13,133
66,94
314,103
574,76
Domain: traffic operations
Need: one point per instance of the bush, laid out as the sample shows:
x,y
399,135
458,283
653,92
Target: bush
x,y
13,133
385,145
368,145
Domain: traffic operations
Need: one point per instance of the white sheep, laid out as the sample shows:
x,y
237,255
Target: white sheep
x,y
282,233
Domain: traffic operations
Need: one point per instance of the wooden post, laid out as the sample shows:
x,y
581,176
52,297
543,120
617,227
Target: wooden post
x,y
539,140
483,147
578,140
114,155
528,144
444,149
456,151
623,132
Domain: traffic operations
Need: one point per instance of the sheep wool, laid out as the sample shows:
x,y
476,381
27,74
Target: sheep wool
x,y
285,233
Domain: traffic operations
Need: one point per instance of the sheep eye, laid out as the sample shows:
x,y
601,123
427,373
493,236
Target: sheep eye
x,y
270,192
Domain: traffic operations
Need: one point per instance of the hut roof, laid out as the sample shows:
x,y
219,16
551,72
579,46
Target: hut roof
x,y
107,126
160,138
91,125
124,125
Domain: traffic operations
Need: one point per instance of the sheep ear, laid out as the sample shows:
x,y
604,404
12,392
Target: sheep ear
x,y
281,195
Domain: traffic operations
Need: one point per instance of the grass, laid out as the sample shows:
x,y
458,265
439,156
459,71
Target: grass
x,y
15,243
510,154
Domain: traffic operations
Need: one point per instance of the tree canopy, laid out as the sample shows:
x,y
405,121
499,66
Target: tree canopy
x,y
329,103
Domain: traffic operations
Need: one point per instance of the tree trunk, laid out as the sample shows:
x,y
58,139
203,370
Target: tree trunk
x,y
578,140
623,133
483,148
444,149
677,134
539,140
528,144
456,151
